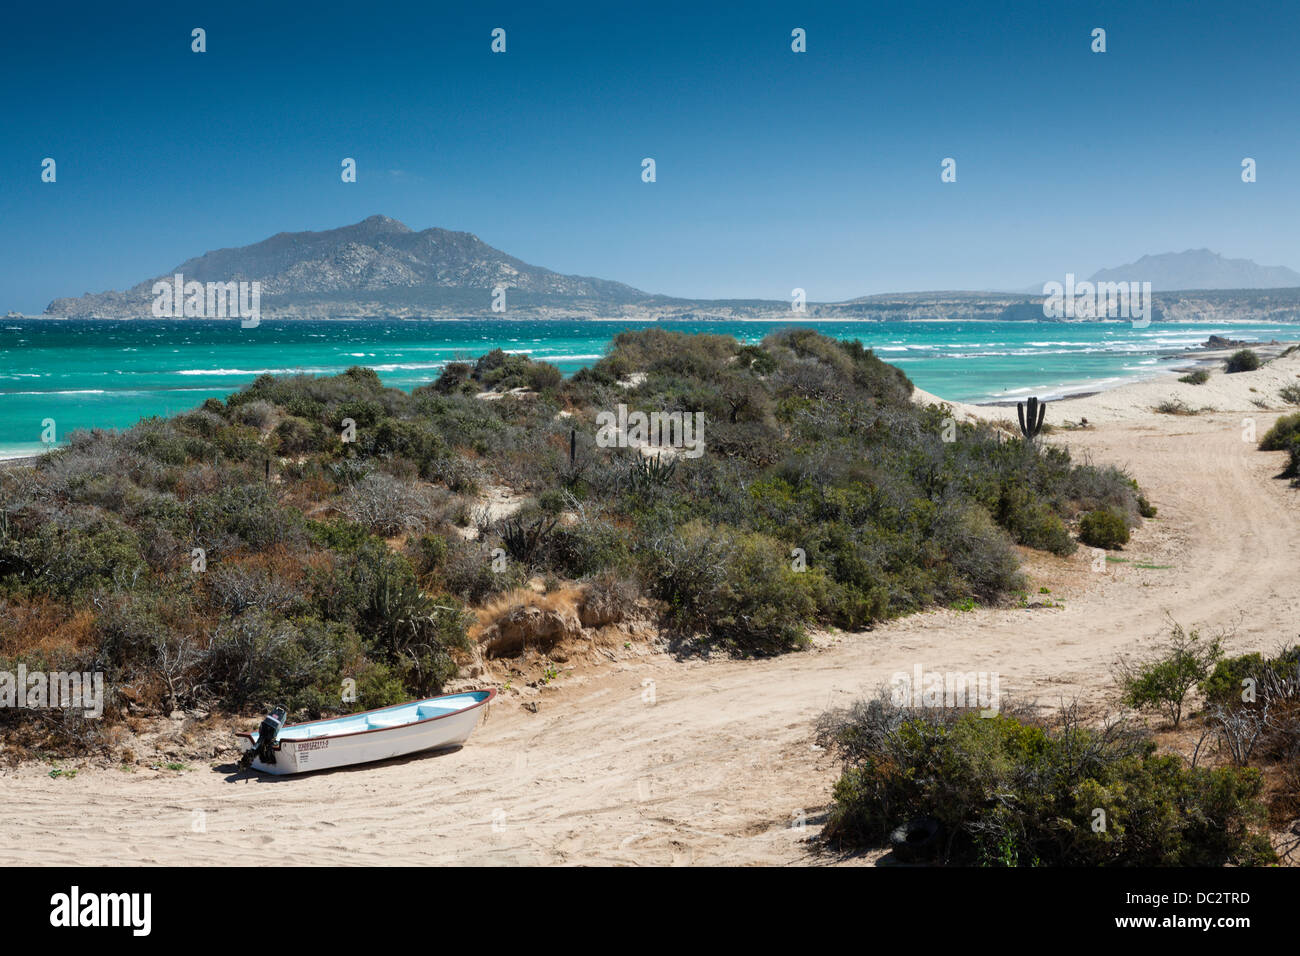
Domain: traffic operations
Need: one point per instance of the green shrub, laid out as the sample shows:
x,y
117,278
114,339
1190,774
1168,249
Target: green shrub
x,y
552,501
260,660
1244,360
1292,469
297,436
467,571
243,514
587,547
430,553
66,562
415,633
1103,528
983,563
1010,791
740,589
1198,377
1163,683
1283,433
1225,684
500,371
1031,521
379,686
1175,406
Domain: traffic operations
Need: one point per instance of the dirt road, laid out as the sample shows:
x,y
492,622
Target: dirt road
x,y
668,762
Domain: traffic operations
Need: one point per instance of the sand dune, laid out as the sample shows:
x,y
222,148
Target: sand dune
x,y
669,762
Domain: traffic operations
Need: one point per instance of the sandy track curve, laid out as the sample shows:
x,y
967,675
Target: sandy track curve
x,y
719,764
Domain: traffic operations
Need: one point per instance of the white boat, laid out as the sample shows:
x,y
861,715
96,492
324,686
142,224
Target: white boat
x,y
436,723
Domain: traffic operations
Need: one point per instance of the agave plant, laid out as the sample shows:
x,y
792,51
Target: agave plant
x,y
651,472
414,629
522,540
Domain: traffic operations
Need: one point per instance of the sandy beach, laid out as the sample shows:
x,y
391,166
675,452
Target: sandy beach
x,y
654,760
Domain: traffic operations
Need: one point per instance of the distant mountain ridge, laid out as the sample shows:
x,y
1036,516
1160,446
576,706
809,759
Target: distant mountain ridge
x,y
364,266
1198,269
381,268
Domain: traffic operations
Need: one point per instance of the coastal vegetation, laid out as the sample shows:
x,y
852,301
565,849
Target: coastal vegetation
x,y
1285,436
1243,360
1022,787
1164,682
309,531
1175,406
1017,789
1104,528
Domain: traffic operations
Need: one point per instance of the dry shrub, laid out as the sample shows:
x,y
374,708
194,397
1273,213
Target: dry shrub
x,y
273,582
607,599
43,628
390,506
307,493
259,414
201,479
522,618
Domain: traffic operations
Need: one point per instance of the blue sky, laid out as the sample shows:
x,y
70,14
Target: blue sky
x,y
775,169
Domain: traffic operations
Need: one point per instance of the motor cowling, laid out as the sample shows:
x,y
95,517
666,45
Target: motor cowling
x,y
266,736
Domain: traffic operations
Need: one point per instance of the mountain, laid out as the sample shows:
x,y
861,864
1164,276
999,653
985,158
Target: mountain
x,y
1200,269
381,268
376,266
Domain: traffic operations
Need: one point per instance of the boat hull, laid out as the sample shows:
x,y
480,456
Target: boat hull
x,y
302,755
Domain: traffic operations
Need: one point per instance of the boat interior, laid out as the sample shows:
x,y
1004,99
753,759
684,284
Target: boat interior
x,y
389,717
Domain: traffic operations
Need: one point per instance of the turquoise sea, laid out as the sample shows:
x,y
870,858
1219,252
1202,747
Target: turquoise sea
x,y
109,374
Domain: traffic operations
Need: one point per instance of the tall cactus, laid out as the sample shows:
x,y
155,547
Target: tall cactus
x,y
1031,425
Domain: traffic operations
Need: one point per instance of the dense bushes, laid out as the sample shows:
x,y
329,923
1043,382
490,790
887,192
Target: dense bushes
x,y
1103,528
67,561
1285,436
1253,711
1032,521
1010,790
738,587
499,371
823,496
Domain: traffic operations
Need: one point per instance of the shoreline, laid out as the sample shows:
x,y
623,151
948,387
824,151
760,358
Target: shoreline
x,y
1178,363
1123,398
1240,392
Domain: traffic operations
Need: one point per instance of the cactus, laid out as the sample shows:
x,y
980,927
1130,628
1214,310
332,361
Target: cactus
x,y
573,475
1031,425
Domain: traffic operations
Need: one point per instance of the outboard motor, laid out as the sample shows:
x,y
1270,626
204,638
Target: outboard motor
x,y
266,734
